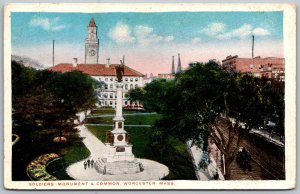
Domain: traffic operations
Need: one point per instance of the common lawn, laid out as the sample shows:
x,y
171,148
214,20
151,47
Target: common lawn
x,y
71,154
36,142
138,137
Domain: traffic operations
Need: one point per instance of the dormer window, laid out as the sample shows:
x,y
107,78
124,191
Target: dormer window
x,y
251,66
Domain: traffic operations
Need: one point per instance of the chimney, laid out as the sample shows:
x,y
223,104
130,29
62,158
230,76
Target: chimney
x,y
107,62
173,67
75,62
179,64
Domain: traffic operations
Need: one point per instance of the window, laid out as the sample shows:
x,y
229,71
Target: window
x,y
136,79
269,67
131,79
111,79
111,86
105,95
110,103
99,79
106,79
136,86
126,79
106,103
111,95
126,87
251,66
260,67
125,102
106,87
131,86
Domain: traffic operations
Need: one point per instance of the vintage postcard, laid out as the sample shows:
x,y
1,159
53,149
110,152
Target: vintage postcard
x,y
149,96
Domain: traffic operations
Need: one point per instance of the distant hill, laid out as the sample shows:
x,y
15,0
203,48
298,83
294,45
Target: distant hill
x,y
28,62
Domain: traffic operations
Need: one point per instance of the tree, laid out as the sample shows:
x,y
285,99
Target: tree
x,y
207,100
49,97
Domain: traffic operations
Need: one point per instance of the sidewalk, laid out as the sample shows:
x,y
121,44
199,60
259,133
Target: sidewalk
x,y
203,174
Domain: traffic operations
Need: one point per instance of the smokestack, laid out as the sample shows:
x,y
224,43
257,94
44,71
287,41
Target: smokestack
x,y
173,67
53,53
75,62
179,64
107,62
252,46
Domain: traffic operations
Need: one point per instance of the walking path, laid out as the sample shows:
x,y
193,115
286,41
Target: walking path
x,y
126,114
152,169
203,174
109,125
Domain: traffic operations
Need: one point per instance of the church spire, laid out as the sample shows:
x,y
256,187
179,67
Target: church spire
x,y
92,22
179,64
173,67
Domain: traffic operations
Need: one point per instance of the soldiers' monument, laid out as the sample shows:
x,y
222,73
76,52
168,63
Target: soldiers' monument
x,y
118,158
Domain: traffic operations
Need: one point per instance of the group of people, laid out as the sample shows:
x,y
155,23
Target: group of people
x,y
88,164
243,159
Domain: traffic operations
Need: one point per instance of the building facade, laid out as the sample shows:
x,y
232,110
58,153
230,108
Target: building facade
x,y
270,67
104,73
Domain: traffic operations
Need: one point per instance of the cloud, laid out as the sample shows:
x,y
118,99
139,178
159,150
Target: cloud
x,y
145,36
244,31
121,33
196,40
169,38
214,28
218,31
48,24
261,32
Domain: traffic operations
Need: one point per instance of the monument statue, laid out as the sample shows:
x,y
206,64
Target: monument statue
x,y
120,72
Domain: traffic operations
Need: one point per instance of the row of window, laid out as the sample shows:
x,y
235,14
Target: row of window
x,y
125,86
260,67
115,79
109,95
111,103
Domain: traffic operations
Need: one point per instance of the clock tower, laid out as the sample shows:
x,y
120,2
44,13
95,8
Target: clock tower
x,y
91,44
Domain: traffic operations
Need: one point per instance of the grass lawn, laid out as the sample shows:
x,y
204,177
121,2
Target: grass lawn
x,y
71,154
138,137
129,119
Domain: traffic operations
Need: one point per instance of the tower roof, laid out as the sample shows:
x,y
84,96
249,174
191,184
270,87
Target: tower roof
x,y
92,23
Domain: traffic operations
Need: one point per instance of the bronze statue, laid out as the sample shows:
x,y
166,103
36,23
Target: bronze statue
x,y
120,71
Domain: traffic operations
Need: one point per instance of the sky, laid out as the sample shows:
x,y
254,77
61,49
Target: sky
x,y
148,40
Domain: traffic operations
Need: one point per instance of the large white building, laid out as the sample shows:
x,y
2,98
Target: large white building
x,y
104,73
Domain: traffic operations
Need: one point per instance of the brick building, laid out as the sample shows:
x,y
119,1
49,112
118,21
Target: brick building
x,y
270,67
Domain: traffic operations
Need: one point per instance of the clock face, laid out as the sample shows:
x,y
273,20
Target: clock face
x,y
120,137
92,52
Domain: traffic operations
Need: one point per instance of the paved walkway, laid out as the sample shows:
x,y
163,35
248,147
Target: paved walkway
x,y
109,125
204,174
126,114
152,170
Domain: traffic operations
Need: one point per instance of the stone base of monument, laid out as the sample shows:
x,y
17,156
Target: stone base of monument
x,y
118,167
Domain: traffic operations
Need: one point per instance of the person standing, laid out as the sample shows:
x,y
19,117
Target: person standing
x,y
84,164
92,163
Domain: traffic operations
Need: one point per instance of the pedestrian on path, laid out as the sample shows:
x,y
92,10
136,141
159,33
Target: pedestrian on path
x,y
84,164
92,163
88,163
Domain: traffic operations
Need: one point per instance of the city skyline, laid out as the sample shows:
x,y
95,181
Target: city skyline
x,y
148,40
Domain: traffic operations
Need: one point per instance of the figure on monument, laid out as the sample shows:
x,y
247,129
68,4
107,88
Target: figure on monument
x,y
120,71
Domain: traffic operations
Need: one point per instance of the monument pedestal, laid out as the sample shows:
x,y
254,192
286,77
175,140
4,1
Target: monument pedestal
x,y
118,158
